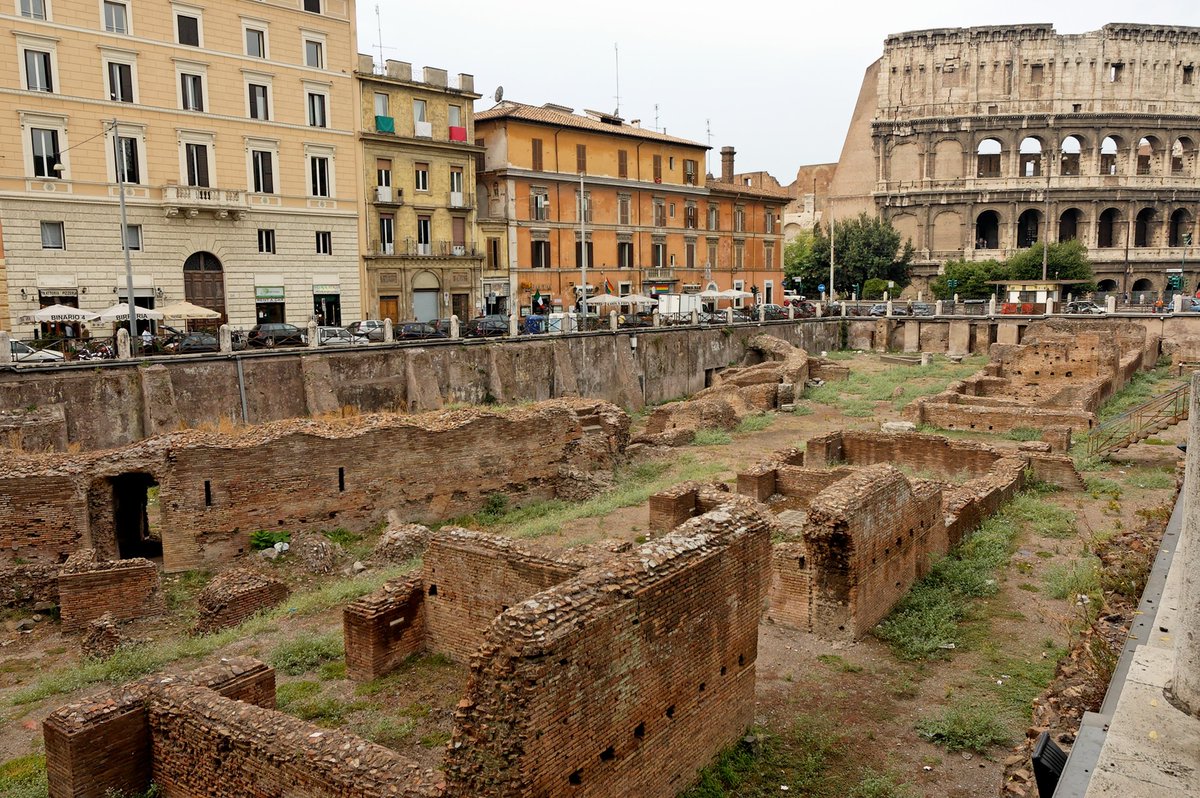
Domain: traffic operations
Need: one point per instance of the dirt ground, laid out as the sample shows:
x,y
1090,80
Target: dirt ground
x,y
876,698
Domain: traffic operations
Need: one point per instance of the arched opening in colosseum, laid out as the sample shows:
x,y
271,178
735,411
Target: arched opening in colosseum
x,y
1144,228
1108,155
948,160
987,230
1148,152
947,232
1181,228
1106,287
1069,156
904,164
1069,223
1029,225
1183,157
1108,231
987,158
1143,291
1031,157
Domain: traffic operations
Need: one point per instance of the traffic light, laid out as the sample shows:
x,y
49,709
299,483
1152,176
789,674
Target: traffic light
x,y
1174,282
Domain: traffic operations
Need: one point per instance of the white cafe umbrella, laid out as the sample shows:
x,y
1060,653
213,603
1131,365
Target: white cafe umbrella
x,y
120,313
639,299
734,293
186,310
605,299
709,293
55,314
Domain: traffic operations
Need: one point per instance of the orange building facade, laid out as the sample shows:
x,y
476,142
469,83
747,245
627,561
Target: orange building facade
x,y
653,222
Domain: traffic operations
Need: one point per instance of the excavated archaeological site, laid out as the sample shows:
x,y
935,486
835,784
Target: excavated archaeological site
x,y
711,596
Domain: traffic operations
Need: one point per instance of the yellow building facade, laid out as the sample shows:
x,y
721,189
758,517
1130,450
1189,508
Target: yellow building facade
x,y
422,257
235,135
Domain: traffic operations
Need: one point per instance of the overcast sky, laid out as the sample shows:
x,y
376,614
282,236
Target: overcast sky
x,y
777,81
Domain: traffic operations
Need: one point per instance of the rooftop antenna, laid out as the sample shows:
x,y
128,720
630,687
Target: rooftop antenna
x,y
656,116
499,95
708,130
617,61
379,28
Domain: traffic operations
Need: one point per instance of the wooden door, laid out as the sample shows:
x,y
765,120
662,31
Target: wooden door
x,y
389,308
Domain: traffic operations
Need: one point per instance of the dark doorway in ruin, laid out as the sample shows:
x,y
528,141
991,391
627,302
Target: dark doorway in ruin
x,y
135,509
987,230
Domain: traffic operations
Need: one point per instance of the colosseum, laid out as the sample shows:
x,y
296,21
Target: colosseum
x,y
974,141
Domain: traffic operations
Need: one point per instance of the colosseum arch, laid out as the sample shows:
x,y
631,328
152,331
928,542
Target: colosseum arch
x,y
1070,224
1107,286
1149,155
1183,157
948,231
1029,227
987,230
988,158
1179,232
1070,156
903,164
1110,150
1110,229
1030,164
1145,226
906,226
948,160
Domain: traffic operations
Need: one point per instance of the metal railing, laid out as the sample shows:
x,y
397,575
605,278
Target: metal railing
x,y
1139,423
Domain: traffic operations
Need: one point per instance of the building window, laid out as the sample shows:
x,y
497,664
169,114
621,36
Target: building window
x,y
187,30
689,250
581,158
116,17
46,155
624,206
739,220
583,206
128,166
387,234
768,221
256,43
38,75
120,82
690,215
1037,73
712,254
382,104
316,110
769,256
421,177
419,108
657,168
318,175
383,172
624,255
1189,75
537,155
1115,71
33,9
263,165
312,6
659,255
739,256
540,205
579,251
714,217
622,163
660,213
690,170
192,91
324,242
53,235
424,236
258,102
314,54
196,156
266,241
539,254
133,236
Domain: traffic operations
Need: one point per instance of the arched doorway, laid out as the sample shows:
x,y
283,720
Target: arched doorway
x,y
204,285
1108,232
1106,286
1143,228
987,230
1068,224
1028,226
1143,292
1181,229
426,291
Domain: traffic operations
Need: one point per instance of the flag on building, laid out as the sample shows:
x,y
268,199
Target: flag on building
x,y
608,287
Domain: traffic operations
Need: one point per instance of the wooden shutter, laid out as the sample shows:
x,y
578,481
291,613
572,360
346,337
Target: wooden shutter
x,y
622,163
537,155
581,157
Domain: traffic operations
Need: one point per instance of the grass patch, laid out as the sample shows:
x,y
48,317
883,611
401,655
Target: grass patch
x,y
24,777
1099,487
324,710
898,384
1144,386
307,653
342,536
1075,579
1023,434
1150,479
436,739
1016,681
802,409
1045,518
963,726
842,665
389,732
289,693
755,423
711,437
181,589
132,662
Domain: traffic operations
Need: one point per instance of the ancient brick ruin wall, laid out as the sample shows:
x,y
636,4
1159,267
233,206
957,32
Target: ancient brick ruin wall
x,y
870,537
208,745
936,454
789,596
385,628
671,507
234,596
128,589
215,490
101,745
669,670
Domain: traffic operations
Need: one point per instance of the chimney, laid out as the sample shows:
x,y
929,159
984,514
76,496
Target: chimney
x,y
727,154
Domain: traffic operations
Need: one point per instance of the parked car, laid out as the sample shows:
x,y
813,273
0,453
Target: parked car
x,y
920,309
24,353
196,342
775,312
276,334
878,309
337,336
364,328
485,327
419,331
1086,306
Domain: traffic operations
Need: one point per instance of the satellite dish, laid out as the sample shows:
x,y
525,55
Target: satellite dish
x,y
499,95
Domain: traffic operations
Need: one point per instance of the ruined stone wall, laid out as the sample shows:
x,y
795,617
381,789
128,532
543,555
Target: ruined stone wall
x,y
234,596
128,589
789,597
936,454
42,517
669,670
383,629
671,507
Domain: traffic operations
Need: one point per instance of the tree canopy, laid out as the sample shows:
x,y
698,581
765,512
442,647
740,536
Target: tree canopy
x,y
864,248
1067,260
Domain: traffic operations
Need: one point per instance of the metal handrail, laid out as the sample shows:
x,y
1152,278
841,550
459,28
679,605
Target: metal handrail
x,y
1140,422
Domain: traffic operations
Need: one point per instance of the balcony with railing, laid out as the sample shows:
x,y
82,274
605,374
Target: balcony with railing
x,y
386,195
460,199
190,200
438,249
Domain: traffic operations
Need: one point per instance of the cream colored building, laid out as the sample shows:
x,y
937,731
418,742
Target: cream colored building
x,y
422,257
236,128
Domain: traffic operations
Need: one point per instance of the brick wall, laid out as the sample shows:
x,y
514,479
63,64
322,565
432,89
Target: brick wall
x,y
789,598
102,744
671,507
669,670
383,629
43,517
128,589
234,596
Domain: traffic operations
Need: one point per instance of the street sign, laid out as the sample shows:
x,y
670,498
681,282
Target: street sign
x,y
821,288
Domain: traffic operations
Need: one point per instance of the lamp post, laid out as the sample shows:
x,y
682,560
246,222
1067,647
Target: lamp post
x,y
1046,235
119,163
583,264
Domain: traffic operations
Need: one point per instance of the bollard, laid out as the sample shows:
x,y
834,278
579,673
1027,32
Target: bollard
x,y
1049,307
655,318
695,316
791,312
845,310
889,306
512,325
1177,303
920,296
762,313
1110,303
729,315
225,338
389,334
123,344
454,327
937,308
992,306
612,320
926,358
956,299
6,353
820,309
314,340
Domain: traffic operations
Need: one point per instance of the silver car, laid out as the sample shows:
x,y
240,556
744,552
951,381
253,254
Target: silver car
x,y
25,353
337,336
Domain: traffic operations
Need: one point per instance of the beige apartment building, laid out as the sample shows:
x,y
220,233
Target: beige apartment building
x,y
421,254
235,131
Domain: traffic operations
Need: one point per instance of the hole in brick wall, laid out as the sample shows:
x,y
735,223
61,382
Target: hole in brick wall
x,y
636,621
136,516
723,670
207,493
671,711
900,540
841,628
433,590
702,686
503,608
741,660
562,662
608,754
576,777
1068,374
639,731
341,480
801,562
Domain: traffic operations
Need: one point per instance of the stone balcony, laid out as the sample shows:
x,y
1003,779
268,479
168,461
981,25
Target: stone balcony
x,y
189,201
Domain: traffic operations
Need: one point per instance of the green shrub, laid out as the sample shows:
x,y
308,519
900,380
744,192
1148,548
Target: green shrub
x,y
494,506
265,539
308,652
24,777
289,693
1075,579
341,536
974,726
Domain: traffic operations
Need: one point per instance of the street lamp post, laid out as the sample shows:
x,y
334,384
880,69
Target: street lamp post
x,y
1046,234
119,163
583,264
